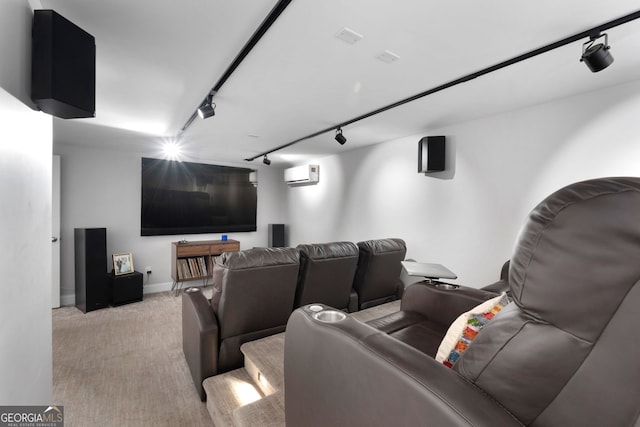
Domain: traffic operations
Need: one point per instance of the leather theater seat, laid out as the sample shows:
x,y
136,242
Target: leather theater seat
x,y
426,311
428,308
564,353
252,298
377,279
326,275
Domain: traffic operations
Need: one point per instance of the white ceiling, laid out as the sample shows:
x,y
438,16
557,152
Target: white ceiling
x,y
157,60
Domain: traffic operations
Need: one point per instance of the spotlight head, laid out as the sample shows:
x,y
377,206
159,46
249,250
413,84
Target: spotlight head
x,y
206,111
266,160
340,137
596,56
208,108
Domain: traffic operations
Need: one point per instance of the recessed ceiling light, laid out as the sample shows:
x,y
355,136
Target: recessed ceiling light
x,y
171,150
388,57
253,135
349,36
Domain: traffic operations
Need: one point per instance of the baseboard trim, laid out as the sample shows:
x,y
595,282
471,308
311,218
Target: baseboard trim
x,y
156,287
70,299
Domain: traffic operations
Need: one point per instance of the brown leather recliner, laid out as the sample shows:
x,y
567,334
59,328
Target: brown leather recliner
x,y
564,353
429,307
326,275
426,311
253,297
377,279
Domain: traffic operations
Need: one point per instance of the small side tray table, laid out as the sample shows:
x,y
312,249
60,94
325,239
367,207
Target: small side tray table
x,y
429,271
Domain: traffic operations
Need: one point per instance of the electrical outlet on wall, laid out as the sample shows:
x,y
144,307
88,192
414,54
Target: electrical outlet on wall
x,y
148,269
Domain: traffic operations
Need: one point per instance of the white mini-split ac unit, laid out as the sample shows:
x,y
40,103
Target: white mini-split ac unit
x,y
302,175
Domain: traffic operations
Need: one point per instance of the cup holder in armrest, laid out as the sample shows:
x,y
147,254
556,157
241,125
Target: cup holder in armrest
x,y
446,286
329,316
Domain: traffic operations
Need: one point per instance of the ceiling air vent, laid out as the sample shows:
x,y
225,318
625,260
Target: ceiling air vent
x,y
349,36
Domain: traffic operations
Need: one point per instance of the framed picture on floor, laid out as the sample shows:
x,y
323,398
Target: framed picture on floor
x,y
123,263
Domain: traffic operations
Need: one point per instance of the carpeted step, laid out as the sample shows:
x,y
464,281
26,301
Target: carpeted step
x,y
377,311
227,392
267,412
264,361
237,398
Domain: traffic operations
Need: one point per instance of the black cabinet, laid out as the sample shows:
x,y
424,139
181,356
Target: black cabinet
x,y
126,288
92,289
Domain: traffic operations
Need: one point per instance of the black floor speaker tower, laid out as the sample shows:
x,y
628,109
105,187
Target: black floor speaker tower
x,y
276,236
92,285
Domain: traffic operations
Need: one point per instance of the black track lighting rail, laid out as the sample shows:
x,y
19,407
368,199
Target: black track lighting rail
x,y
592,32
255,38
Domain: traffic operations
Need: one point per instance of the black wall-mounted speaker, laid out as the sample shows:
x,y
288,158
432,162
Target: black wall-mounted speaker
x,y
63,67
431,154
276,236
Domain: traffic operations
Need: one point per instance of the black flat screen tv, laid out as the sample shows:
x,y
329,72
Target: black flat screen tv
x,y
195,198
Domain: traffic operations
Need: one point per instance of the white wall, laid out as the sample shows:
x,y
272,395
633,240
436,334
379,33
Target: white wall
x,y
499,168
15,47
101,188
25,221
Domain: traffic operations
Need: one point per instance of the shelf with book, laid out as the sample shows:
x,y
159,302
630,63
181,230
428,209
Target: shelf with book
x,y
194,260
192,268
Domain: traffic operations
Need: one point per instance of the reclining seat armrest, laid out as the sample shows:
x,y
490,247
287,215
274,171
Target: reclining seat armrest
x,y
442,306
501,285
347,373
199,338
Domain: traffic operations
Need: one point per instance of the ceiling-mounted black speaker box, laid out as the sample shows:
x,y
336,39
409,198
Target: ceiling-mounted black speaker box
x,y
63,67
431,154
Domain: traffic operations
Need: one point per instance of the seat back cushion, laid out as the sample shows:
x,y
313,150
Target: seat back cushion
x,y
565,352
254,289
326,274
379,268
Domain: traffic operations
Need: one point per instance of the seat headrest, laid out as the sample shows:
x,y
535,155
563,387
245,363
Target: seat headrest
x,y
383,245
329,250
577,256
259,257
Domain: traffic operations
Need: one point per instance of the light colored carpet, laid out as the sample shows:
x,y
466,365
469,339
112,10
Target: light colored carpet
x,y
123,366
228,391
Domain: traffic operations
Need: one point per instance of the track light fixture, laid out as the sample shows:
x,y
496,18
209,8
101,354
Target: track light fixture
x,y
596,56
208,108
601,55
266,160
340,137
271,18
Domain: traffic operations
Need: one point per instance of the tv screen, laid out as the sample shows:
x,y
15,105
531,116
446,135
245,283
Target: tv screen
x,y
194,198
